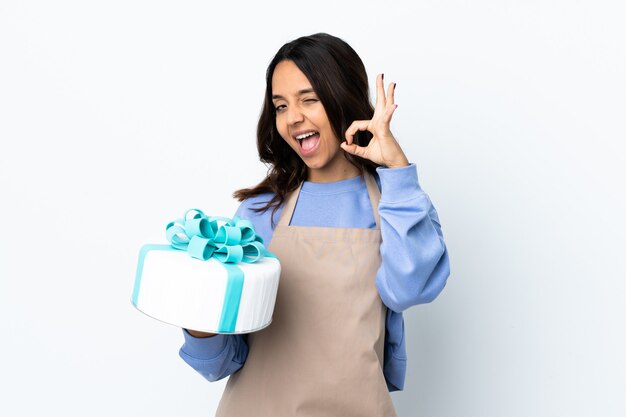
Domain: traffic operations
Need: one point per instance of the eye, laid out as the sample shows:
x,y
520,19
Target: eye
x,y
281,107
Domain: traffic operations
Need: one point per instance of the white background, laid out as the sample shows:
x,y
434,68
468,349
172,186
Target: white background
x,y
117,116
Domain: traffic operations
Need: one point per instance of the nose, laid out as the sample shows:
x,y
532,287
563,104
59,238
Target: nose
x,y
294,115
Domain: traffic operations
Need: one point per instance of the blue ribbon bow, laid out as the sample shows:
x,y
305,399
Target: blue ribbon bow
x,y
232,241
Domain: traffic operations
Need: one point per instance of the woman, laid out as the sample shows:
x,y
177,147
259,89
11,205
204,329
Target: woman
x,y
362,244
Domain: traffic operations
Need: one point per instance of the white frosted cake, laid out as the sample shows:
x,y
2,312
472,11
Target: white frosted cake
x,y
211,295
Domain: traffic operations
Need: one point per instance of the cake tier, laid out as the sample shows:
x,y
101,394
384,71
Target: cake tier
x,y
175,288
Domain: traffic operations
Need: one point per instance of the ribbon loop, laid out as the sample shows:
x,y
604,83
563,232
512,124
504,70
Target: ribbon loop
x,y
247,230
252,252
200,248
229,254
228,235
198,227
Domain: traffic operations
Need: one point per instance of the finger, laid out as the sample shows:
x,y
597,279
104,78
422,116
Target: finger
x,y
354,150
355,127
390,93
389,112
380,92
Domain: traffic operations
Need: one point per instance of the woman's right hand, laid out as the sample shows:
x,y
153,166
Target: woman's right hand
x,y
383,149
195,333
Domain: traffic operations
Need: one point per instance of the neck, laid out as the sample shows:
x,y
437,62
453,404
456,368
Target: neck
x,y
335,172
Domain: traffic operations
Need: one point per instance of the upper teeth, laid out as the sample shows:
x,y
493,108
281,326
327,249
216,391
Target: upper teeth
x,y
305,135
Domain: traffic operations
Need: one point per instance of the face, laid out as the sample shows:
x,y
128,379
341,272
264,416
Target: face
x,y
302,122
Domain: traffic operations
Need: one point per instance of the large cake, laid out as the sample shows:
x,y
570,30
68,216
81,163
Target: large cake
x,y
215,276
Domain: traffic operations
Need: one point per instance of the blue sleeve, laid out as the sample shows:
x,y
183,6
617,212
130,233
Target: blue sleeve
x,y
214,357
415,264
262,221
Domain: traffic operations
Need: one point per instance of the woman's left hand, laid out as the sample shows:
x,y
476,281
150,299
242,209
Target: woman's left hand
x,y
383,148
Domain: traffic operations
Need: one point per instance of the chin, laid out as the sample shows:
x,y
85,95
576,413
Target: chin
x,y
313,165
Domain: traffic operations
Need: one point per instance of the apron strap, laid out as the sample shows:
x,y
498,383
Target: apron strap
x,y
374,193
292,198
290,205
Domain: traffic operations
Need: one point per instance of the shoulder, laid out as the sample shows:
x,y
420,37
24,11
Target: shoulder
x,y
251,203
262,220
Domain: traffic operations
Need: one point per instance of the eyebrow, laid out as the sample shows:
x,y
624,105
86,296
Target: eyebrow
x,y
305,91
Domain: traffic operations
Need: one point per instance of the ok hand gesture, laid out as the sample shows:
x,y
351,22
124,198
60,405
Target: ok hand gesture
x,y
383,148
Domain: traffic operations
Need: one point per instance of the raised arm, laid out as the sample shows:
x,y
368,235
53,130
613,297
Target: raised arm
x,y
415,264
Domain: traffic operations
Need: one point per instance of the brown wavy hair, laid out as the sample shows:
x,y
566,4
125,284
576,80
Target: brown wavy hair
x,y
339,79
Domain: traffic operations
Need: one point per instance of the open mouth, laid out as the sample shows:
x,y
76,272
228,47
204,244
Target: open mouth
x,y
310,142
